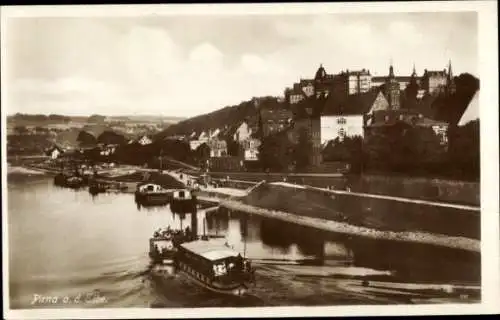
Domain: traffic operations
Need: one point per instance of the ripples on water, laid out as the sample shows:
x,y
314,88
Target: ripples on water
x,y
65,243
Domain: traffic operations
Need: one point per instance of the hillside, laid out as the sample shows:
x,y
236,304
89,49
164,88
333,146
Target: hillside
x,y
222,118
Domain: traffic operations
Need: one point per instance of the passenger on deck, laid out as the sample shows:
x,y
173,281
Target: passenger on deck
x,y
239,262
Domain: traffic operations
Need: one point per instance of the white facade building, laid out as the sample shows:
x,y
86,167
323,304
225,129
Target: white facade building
x,y
242,133
340,126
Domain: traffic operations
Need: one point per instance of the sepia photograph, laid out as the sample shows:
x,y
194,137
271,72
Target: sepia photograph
x,y
249,160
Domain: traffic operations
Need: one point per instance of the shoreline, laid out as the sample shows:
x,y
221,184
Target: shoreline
x,y
450,242
233,202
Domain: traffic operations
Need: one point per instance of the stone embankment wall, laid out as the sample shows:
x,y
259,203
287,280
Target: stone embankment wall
x,y
379,214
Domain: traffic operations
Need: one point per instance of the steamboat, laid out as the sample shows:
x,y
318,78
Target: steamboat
x,y
206,260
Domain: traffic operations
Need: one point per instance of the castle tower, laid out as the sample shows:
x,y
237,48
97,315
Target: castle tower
x,y
392,90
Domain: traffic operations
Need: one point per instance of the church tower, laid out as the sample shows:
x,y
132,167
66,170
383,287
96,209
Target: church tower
x,y
450,80
392,90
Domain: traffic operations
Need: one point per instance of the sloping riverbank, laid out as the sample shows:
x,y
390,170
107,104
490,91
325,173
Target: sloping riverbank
x,y
370,212
345,228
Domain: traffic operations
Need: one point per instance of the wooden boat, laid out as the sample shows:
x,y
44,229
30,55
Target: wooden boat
x,y
69,181
183,201
152,194
215,266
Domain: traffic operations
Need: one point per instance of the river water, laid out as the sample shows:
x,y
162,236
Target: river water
x,y
69,249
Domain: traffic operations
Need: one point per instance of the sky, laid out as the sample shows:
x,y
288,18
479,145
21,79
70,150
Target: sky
x,y
189,65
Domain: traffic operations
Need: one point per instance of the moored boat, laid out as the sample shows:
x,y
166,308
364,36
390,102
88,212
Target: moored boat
x,y
215,266
183,201
152,194
69,181
96,187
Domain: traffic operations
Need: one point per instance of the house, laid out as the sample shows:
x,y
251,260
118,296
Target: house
x,y
242,132
471,112
144,140
108,150
218,148
251,149
345,116
386,118
274,120
55,151
194,144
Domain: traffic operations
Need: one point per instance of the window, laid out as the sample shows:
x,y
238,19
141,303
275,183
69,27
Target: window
x,y
341,121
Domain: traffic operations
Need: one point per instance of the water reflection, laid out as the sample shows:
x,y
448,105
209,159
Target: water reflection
x,y
66,241
270,239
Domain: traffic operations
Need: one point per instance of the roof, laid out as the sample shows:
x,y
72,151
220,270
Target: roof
x,y
309,107
424,105
209,250
355,104
398,78
390,117
472,111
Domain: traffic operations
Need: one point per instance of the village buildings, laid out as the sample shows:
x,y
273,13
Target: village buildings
x,y
144,140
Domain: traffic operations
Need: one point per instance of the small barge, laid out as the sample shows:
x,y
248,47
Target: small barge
x,y
151,194
69,181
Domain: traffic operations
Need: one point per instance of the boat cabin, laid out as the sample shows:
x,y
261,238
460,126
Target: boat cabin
x,y
216,262
183,195
150,188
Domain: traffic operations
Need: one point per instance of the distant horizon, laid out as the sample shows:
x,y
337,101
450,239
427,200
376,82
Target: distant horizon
x,y
92,114
194,65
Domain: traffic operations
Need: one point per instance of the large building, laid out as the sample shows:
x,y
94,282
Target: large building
x,y
352,82
346,116
440,81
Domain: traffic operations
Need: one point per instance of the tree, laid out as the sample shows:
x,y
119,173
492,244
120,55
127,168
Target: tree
x,y
234,148
464,150
20,130
111,137
276,152
86,139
